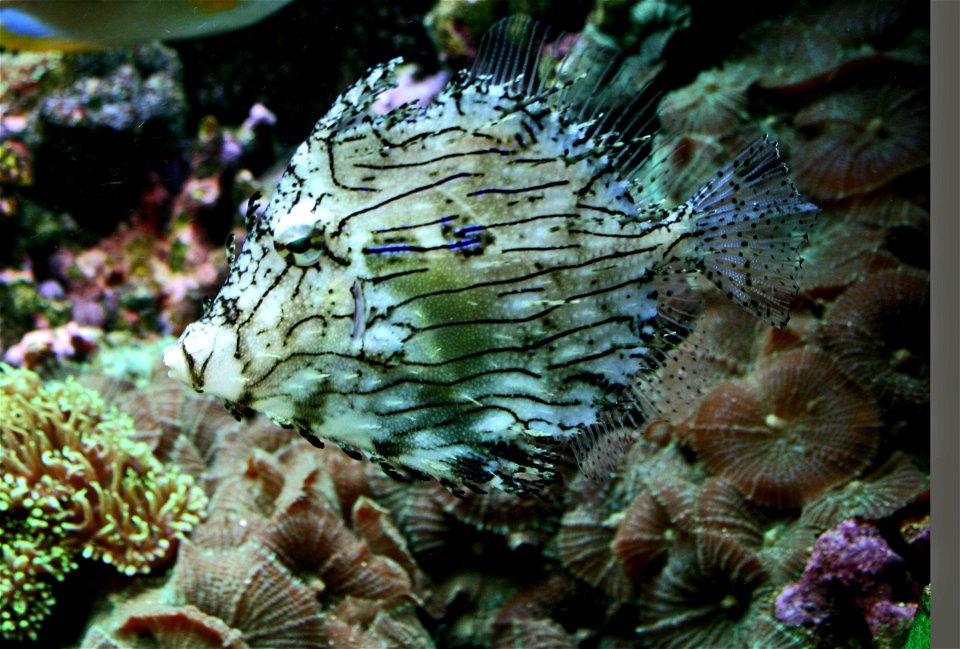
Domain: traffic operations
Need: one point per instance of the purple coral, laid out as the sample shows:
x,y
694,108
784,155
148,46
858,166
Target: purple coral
x,y
852,559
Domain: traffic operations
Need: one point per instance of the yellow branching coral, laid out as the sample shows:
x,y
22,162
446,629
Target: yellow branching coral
x,y
73,483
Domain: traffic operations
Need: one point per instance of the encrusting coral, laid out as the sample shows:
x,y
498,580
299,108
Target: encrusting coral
x,y
75,484
852,567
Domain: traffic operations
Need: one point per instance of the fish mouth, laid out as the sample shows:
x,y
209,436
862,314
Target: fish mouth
x,y
203,358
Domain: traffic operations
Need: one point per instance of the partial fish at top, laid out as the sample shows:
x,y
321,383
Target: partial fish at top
x,y
96,24
462,290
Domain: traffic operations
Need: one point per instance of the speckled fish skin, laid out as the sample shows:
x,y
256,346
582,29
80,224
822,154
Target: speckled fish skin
x,y
458,290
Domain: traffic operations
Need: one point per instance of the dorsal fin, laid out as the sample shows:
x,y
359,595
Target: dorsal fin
x,y
588,80
513,52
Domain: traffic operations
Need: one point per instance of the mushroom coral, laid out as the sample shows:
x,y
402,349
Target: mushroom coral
x,y
703,596
864,137
879,333
284,558
788,432
716,103
76,484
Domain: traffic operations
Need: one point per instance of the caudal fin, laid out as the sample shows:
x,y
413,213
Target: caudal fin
x,y
747,225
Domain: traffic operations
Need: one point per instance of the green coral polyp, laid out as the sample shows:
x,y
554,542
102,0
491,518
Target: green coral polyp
x,y
76,484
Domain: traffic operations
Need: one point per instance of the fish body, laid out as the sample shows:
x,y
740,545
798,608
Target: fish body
x,y
458,290
96,24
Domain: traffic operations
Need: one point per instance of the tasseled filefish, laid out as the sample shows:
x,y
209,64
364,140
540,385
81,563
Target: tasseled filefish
x,y
461,290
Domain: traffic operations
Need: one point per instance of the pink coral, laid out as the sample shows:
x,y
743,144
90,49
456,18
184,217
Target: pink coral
x,y
70,341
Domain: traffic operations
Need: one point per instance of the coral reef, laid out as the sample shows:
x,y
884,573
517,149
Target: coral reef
x,y
118,91
137,278
279,563
778,496
117,110
26,306
76,485
49,346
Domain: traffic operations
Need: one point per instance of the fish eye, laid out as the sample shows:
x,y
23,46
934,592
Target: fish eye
x,y
301,252
298,251
298,246
307,258
296,238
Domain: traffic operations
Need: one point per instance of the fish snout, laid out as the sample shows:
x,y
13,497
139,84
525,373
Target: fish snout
x,y
203,358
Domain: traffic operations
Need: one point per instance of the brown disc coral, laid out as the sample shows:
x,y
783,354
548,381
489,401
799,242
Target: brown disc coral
x,y
863,137
877,495
372,523
584,546
794,428
786,548
722,346
287,502
420,511
364,624
840,253
251,591
648,529
518,519
619,530
355,570
796,56
166,627
535,634
190,430
881,209
878,331
703,596
277,563
722,509
820,42
179,424
715,103
305,532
